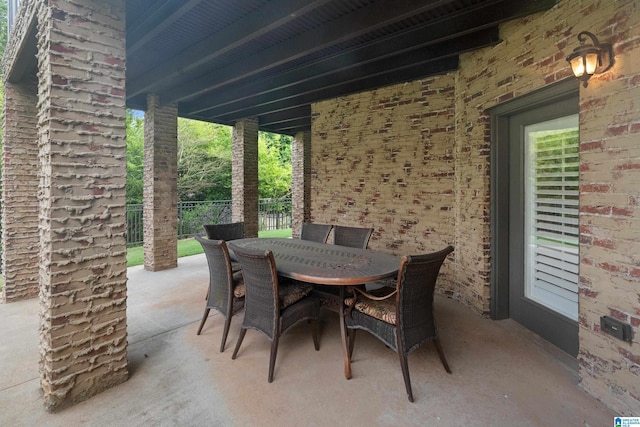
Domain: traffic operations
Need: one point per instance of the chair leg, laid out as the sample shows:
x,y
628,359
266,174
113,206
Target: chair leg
x,y
314,331
243,331
405,373
227,324
204,319
352,341
441,354
272,359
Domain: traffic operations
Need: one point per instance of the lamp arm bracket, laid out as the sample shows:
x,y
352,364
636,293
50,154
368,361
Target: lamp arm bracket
x,y
582,37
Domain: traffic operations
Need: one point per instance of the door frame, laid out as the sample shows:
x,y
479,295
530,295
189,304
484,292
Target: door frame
x,y
499,182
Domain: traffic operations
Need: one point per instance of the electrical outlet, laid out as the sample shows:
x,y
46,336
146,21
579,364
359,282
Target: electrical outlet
x,y
616,328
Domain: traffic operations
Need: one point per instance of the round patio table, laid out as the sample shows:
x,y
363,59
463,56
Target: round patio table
x,y
325,264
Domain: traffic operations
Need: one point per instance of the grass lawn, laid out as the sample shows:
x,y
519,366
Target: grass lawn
x,y
135,256
275,233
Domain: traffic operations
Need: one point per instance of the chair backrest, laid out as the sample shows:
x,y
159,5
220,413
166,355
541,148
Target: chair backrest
x,y
220,274
225,231
315,232
354,237
261,282
416,283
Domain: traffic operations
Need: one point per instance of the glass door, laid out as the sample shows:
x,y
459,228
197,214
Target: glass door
x,y
540,219
551,162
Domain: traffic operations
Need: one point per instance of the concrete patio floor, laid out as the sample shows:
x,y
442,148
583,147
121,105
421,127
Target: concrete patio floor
x,y
503,375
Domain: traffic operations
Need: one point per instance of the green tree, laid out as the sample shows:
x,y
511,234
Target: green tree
x,y
204,161
280,146
274,165
3,27
135,157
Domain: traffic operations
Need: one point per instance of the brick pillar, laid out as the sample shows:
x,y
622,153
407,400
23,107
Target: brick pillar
x,y
245,175
82,149
160,186
300,180
20,236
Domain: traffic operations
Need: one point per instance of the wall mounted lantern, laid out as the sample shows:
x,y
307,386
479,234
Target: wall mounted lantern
x,y
589,59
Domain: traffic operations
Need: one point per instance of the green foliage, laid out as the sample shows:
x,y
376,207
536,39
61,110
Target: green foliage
x,y
280,144
135,157
204,161
192,217
274,167
3,27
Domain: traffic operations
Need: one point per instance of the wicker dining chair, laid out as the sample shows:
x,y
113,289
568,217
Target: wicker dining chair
x,y
231,231
403,317
272,306
354,237
315,232
226,288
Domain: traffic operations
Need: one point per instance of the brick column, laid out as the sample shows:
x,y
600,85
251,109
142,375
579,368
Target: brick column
x,y
160,186
300,180
82,148
20,236
245,175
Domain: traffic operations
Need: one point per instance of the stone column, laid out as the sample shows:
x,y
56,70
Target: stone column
x,y
82,149
160,186
300,180
20,236
245,175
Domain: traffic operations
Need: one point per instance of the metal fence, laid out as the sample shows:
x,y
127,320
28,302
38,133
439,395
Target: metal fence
x,y
273,214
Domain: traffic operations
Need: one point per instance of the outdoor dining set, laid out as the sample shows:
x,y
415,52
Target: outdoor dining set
x,y
280,282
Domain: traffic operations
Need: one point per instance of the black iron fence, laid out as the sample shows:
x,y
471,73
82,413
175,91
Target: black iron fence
x,y
273,214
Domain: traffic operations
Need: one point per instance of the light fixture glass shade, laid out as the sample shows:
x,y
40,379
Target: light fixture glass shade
x,y
591,60
587,60
577,66
586,63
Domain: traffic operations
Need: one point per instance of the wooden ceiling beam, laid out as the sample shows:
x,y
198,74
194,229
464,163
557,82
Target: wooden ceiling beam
x,y
244,31
158,20
360,71
390,76
347,27
418,37
284,116
472,19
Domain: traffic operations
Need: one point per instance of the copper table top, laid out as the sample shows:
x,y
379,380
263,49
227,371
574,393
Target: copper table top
x,y
323,263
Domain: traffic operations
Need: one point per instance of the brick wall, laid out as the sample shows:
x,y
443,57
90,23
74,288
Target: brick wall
x,y
535,49
300,181
21,240
385,159
244,164
160,186
20,183
82,199
380,163
610,209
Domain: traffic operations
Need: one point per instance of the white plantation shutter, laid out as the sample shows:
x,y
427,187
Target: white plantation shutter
x,y
551,206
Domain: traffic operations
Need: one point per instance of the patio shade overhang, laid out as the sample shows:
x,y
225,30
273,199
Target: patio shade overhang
x,y
223,60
